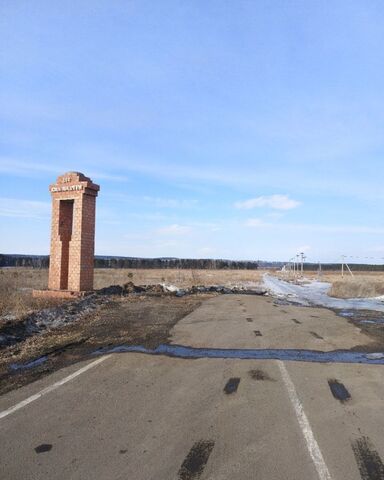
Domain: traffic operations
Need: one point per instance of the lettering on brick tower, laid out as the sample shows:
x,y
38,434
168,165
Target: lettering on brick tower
x,y
72,233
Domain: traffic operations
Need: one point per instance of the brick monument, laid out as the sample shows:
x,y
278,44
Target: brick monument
x,y
72,236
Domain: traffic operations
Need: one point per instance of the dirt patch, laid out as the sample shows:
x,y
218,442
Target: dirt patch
x,y
130,320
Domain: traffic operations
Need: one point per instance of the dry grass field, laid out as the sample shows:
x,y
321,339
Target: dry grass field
x,y
179,277
16,284
361,285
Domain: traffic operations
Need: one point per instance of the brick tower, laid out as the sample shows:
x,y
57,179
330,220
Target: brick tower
x,y
72,234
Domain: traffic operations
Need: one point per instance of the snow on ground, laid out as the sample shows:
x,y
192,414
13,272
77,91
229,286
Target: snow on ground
x,y
316,293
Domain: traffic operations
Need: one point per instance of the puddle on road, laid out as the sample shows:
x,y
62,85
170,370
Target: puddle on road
x,y
376,321
363,318
339,391
297,355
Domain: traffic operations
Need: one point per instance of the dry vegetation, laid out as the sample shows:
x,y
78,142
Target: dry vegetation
x,y
181,278
16,284
361,285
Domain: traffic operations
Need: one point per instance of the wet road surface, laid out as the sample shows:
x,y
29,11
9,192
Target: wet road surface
x,y
142,417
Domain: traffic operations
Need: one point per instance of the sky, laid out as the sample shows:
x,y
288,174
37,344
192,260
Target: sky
x,y
216,129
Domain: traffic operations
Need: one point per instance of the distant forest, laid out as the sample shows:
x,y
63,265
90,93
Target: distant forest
x,y
42,261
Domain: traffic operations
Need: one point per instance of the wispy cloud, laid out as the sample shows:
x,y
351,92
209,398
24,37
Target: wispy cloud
x,y
342,229
277,202
255,222
160,202
23,168
14,207
174,229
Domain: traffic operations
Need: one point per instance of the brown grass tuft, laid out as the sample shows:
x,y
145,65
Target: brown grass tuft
x,y
357,287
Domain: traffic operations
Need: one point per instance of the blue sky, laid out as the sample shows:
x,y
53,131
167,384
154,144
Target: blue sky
x,y
236,129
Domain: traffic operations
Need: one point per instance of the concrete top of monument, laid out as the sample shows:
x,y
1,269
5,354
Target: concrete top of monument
x,y
73,181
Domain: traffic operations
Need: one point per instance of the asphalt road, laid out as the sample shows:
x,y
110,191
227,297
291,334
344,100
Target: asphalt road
x,y
141,417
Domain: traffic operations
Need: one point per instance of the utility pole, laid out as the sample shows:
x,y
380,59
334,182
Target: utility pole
x,y
302,261
297,262
343,262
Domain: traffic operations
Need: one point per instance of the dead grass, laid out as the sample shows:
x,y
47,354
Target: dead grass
x,y
181,278
334,276
16,284
361,285
358,287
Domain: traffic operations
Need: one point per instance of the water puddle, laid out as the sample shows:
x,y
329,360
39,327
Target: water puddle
x,y
375,321
297,355
26,366
373,317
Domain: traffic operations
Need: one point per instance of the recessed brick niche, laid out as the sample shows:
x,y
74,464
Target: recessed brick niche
x,y
72,236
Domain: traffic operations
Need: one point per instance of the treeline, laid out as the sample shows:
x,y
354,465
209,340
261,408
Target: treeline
x,y
182,263
34,261
355,267
42,261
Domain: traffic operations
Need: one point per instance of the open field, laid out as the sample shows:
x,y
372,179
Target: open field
x,y
361,285
16,284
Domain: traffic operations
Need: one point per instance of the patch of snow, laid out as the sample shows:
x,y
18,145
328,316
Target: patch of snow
x,y
315,293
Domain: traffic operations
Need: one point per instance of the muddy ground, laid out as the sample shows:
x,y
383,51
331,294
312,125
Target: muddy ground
x,y
144,320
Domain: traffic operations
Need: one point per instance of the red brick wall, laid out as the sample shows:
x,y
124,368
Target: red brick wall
x,y
72,233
